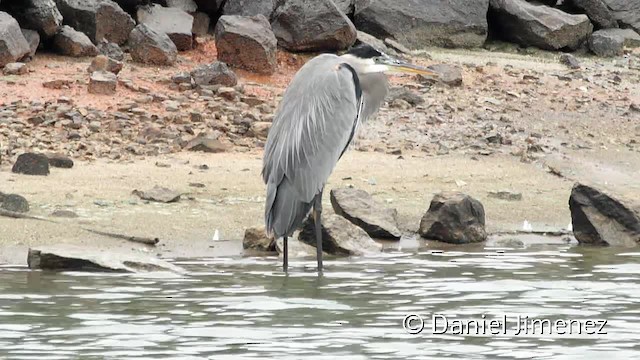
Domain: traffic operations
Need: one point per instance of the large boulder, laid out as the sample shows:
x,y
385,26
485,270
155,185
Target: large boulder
x,y
454,218
598,12
247,42
73,43
13,45
626,12
249,7
98,19
188,6
174,22
599,218
421,23
339,237
40,15
539,25
31,164
359,207
611,42
312,26
152,47
33,39
216,73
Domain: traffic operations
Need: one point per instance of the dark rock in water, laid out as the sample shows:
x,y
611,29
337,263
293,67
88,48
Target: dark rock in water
x,y
405,94
598,12
173,22
158,194
33,39
13,45
68,214
98,19
249,7
247,42
447,74
539,25
454,218
73,43
600,219
151,47
60,161
570,61
362,210
40,15
611,42
103,83
205,144
257,239
421,23
339,237
626,12
110,50
216,73
201,24
75,258
312,26
14,202
31,164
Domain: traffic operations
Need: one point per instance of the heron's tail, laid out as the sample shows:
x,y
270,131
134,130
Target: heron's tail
x,y
284,213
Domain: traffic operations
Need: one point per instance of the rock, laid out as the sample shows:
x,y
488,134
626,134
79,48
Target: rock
x,y
374,42
339,237
188,6
260,129
247,42
570,61
14,202
110,50
67,214
15,69
205,144
296,248
158,194
60,161
40,15
103,83
104,63
228,93
151,47
447,74
421,23
57,84
201,24
33,39
611,42
505,195
13,45
98,19
216,73
173,22
312,26
454,218
73,43
257,239
599,218
31,164
539,25
626,12
598,12
405,94
76,258
362,210
249,7
181,78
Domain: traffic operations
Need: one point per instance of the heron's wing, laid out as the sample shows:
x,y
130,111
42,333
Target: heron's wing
x,y
313,125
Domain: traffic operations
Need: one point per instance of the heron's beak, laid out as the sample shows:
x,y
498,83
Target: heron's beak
x,y
405,67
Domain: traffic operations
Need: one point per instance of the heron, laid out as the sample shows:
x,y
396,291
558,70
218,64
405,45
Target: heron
x,y
314,124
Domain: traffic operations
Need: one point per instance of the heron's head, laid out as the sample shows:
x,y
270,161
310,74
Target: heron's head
x,y
371,60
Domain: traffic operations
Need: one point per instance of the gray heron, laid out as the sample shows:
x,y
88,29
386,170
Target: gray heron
x,y
313,126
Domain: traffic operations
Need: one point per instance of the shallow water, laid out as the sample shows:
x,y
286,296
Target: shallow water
x,y
246,308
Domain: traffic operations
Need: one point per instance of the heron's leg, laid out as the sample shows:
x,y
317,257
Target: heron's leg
x,y
317,211
285,261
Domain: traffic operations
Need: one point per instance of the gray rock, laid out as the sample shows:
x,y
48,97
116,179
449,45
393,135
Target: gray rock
x,y
362,210
173,22
73,43
374,42
405,94
570,61
448,74
216,73
201,24
181,78
98,19
104,63
40,15
312,26
539,25
151,47
76,258
31,164
158,194
59,161
257,239
505,195
205,144
626,12
33,39
611,42
249,7
260,129
14,202
296,248
421,23
454,218
110,50
67,214
247,42
339,237
103,83
13,45
598,12
15,69
599,218
188,6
